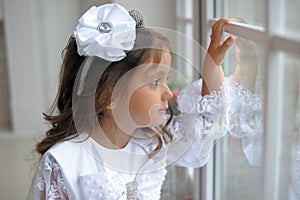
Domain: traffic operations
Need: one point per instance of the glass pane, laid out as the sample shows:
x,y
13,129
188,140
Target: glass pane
x,y
239,153
291,18
253,12
289,175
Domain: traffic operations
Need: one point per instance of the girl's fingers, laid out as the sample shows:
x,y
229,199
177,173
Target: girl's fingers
x,y
218,54
218,48
226,44
217,31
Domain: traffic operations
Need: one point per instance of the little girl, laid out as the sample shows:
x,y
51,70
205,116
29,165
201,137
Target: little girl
x,y
111,137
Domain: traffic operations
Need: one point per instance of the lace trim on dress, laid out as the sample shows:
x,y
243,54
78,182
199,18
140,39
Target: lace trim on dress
x,y
232,109
209,110
198,126
49,182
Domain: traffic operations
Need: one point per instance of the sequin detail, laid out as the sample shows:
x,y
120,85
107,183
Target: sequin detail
x,y
132,190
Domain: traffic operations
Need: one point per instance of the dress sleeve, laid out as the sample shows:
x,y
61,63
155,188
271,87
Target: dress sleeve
x,y
197,128
205,119
48,182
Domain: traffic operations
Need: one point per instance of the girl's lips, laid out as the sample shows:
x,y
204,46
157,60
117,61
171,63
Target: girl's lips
x,y
162,110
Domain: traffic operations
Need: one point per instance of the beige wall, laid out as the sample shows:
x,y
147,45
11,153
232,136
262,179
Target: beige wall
x,y
157,13
86,4
1,12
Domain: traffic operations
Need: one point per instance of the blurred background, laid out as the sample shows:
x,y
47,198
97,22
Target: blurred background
x,y
33,34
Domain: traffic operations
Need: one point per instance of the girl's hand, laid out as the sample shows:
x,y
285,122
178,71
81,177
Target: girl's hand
x,y
217,48
212,72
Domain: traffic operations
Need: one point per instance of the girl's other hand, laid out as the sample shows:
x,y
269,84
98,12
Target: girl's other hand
x,y
246,69
245,52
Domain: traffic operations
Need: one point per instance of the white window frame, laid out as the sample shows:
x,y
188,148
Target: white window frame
x,y
272,42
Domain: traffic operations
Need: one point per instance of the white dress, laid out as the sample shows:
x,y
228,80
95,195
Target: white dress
x,y
83,169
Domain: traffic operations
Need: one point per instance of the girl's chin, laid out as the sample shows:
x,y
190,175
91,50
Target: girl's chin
x,y
150,123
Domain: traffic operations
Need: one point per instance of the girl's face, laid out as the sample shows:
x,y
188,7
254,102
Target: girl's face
x,y
141,95
150,94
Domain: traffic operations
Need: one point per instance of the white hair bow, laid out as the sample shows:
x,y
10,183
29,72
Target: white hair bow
x,y
106,32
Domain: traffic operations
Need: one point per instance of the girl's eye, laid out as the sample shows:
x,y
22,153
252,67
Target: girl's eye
x,y
155,82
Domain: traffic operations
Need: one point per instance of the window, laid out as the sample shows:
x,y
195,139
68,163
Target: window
x,y
273,27
253,12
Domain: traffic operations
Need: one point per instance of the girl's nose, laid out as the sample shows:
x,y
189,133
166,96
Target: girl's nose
x,y
167,94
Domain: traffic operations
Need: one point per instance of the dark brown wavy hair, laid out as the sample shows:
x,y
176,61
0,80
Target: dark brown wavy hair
x,y
61,116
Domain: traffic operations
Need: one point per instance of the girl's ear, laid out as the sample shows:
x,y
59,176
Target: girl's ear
x,y
111,103
111,106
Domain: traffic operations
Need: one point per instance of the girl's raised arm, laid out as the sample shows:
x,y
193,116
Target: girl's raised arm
x,y
212,71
